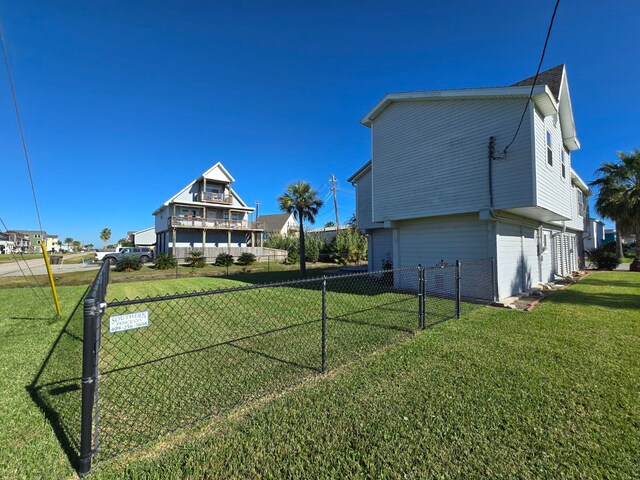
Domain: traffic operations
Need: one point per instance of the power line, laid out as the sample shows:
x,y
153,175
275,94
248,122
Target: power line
x,y
42,299
24,143
535,79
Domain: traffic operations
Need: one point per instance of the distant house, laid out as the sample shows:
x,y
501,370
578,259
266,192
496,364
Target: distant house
x,y
594,236
34,237
284,224
326,233
143,238
206,215
51,243
440,187
6,243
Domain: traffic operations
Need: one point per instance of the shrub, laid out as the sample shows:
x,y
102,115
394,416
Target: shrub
x,y
128,264
196,259
603,258
350,246
288,243
224,260
247,258
314,245
165,261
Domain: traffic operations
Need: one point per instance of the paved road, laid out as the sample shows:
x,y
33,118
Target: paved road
x,y
624,267
11,269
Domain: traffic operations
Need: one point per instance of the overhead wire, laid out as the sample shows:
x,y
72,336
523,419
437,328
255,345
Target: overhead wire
x,y
24,143
24,149
535,79
43,298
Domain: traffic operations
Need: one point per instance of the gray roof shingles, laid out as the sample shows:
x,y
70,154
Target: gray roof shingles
x,y
551,77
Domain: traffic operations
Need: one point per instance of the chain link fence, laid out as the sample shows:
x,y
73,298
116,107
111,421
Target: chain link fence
x,y
156,364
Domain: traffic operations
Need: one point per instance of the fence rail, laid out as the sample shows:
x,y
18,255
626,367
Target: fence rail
x,y
156,364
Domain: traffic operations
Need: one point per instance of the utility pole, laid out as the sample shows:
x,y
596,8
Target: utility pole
x,y
257,209
332,179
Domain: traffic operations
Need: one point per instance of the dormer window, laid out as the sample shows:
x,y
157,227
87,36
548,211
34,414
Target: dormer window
x,y
549,150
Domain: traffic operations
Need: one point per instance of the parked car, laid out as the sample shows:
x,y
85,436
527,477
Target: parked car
x,y
144,254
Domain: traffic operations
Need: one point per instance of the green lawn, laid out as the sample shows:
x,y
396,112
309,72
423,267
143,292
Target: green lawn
x,y
552,393
147,273
8,258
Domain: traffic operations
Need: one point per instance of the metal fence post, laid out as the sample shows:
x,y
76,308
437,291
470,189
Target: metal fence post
x,y
424,297
88,384
420,299
324,324
458,296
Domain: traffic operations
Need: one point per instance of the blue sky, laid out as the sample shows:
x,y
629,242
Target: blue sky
x,y
125,102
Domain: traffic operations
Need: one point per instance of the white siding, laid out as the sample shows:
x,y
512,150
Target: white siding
x,y
380,245
577,221
553,191
363,202
517,258
430,158
161,219
429,240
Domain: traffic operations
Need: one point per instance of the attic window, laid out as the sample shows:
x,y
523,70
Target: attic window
x,y
549,151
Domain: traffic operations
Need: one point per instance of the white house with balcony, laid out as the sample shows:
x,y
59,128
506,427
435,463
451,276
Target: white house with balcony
x,y
440,186
209,216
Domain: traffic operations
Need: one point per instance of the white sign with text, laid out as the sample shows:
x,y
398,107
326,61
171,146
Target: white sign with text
x,y
128,321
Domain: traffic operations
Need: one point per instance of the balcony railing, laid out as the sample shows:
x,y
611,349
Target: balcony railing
x,y
211,197
211,223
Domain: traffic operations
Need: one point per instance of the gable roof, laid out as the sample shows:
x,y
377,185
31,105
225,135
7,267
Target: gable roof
x,y
217,173
550,95
361,171
276,221
551,77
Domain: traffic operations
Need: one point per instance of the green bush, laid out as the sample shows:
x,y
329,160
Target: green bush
x,y
288,243
165,261
350,246
314,246
603,258
224,260
128,264
196,259
247,258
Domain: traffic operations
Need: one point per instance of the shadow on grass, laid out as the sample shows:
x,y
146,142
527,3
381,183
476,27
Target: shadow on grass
x,y
56,388
609,300
630,283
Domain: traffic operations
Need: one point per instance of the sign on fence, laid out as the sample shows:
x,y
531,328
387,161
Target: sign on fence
x,y
128,321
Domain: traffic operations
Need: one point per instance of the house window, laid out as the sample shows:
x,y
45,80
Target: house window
x,y
580,202
564,163
213,189
549,151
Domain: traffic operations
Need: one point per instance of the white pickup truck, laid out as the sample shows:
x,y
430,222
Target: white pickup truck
x,y
144,254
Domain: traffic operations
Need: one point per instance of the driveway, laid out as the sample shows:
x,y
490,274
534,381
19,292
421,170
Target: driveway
x,y
37,266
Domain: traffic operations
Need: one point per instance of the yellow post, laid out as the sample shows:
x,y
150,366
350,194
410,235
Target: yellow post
x,y
53,285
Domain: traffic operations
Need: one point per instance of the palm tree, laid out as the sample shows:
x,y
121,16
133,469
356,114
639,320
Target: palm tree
x,y
105,235
68,241
303,201
619,196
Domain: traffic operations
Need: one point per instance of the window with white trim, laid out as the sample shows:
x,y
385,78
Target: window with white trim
x,y
549,151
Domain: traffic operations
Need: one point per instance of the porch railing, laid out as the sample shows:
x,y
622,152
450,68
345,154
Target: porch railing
x,y
212,197
212,223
